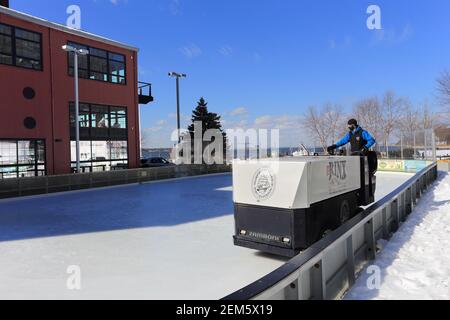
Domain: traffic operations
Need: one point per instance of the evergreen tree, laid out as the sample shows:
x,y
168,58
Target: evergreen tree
x,y
209,120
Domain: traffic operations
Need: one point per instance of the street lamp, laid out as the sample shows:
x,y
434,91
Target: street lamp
x,y
178,76
76,52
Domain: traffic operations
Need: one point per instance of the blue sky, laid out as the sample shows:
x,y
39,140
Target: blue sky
x,y
264,62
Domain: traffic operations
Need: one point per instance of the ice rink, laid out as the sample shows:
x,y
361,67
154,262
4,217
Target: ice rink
x,y
162,240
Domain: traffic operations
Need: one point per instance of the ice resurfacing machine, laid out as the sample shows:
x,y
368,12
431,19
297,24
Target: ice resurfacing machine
x,y
282,206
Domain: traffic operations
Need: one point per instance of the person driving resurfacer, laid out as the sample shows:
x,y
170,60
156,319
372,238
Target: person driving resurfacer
x,y
360,140
360,143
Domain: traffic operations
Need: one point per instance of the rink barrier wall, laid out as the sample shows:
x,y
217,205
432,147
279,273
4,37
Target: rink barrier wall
x,y
444,166
400,165
330,267
10,188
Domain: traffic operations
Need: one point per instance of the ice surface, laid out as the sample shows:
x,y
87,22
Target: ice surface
x,y
415,263
164,240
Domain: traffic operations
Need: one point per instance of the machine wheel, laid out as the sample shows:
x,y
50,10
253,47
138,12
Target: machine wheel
x,y
344,213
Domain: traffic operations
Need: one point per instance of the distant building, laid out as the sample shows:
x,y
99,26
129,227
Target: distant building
x,y
442,136
37,129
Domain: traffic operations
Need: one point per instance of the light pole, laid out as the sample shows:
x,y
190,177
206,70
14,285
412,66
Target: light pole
x,y
178,76
76,52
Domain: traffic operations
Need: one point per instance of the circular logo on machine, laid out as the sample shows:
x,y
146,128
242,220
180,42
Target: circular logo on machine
x,y
263,184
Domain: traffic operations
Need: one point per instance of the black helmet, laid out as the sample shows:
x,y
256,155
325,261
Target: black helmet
x,y
353,122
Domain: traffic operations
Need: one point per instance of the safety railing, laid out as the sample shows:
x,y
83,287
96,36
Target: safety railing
x,y
145,92
49,184
330,267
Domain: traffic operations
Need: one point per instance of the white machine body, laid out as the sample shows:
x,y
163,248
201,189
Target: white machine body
x,y
294,182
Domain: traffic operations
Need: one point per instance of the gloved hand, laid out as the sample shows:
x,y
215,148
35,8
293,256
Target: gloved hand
x,y
365,151
330,149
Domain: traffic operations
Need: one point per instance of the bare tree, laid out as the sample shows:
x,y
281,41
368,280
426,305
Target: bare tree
x,y
315,125
409,123
334,120
323,123
392,111
443,87
368,113
428,119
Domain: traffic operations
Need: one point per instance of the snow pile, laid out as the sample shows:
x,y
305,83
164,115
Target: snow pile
x,y
415,263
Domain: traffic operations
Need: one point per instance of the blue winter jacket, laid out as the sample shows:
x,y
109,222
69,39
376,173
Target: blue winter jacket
x,y
366,136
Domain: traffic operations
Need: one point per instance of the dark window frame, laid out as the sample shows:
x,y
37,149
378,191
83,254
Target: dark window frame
x,y
71,71
14,55
109,137
36,163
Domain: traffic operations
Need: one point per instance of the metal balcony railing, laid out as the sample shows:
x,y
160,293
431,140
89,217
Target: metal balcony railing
x,y
145,92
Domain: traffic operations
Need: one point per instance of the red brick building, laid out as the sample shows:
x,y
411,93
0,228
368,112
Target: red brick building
x,y
37,130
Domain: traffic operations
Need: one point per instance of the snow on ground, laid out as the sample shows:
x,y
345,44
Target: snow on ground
x,y
415,263
163,240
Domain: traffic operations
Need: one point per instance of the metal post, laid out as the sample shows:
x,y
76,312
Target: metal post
x,y
178,109
387,147
77,112
350,261
401,146
369,235
424,144
318,282
433,144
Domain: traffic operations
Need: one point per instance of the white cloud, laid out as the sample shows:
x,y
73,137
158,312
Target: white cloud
x,y
257,57
241,111
153,129
292,132
332,44
183,117
116,2
175,7
278,122
159,135
340,44
290,127
263,122
234,124
226,50
391,36
191,51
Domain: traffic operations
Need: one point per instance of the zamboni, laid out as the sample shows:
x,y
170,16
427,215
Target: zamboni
x,y
283,206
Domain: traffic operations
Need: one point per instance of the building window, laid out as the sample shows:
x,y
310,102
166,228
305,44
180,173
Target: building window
x,y
22,158
100,65
118,118
99,122
100,155
21,48
100,116
103,137
117,68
